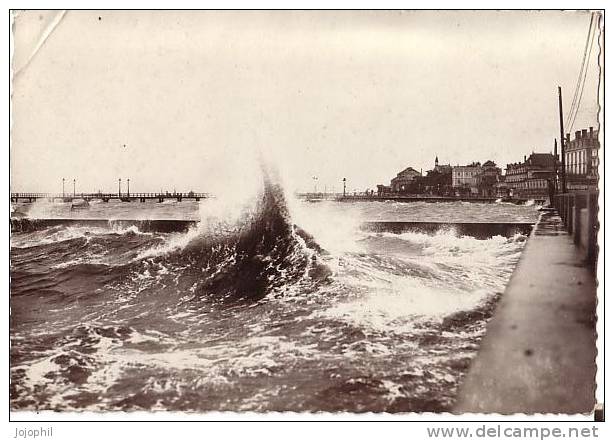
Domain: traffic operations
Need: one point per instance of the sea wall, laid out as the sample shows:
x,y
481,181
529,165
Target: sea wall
x,y
159,225
538,354
479,230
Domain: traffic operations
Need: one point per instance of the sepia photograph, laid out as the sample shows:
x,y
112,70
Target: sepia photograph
x,y
311,211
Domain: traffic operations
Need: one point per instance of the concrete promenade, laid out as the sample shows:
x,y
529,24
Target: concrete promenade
x,y
538,354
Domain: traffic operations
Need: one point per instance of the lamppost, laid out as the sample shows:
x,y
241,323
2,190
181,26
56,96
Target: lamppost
x,y
74,187
128,187
119,188
63,192
315,185
344,180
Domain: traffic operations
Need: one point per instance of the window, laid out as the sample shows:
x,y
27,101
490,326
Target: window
x,y
577,162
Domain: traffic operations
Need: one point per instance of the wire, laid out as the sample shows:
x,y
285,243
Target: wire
x,y
583,80
584,64
578,82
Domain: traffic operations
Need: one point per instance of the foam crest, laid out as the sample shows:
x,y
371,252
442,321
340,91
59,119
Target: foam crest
x,y
174,242
444,274
60,234
399,303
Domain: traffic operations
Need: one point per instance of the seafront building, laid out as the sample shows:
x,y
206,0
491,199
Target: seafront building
x,y
444,169
532,177
403,180
474,179
582,160
383,190
464,178
438,181
488,178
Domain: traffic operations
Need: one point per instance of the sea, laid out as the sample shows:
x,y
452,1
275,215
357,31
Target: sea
x,y
277,305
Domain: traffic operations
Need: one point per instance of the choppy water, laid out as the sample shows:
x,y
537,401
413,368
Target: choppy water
x,y
248,313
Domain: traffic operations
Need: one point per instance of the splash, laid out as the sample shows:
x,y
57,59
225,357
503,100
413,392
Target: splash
x,y
267,251
43,209
247,252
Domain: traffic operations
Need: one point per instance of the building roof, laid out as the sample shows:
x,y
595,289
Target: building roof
x,y
474,165
407,170
541,159
489,163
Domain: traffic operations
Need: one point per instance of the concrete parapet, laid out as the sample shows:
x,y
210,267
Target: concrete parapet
x,y
579,214
479,230
157,225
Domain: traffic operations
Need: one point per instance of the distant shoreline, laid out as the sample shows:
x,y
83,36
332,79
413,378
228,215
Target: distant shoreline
x,y
362,198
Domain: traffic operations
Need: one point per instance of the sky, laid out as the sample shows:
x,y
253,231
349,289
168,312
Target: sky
x,y
191,100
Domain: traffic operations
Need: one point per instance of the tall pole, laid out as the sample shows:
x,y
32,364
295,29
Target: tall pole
x,y
63,193
556,159
74,187
119,188
344,180
128,187
563,172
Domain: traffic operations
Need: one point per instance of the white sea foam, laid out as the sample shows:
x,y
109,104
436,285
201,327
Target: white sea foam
x,y
174,242
62,234
333,231
389,300
404,303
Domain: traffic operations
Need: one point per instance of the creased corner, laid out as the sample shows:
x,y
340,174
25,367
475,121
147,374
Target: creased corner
x,y
38,43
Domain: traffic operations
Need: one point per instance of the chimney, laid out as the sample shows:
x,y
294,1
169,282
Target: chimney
x,y
591,131
525,158
583,133
568,138
578,132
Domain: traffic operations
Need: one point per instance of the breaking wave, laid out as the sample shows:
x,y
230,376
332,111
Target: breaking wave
x,y
275,306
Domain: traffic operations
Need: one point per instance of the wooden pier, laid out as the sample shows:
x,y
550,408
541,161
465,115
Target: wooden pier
x,y
106,197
